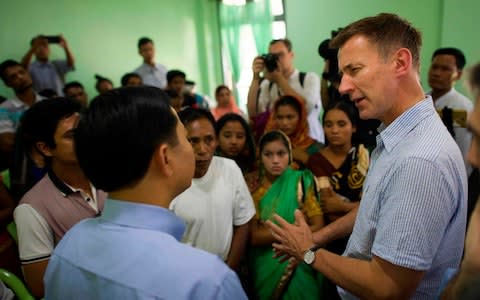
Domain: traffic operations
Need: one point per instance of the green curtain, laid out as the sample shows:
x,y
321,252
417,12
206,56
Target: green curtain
x,y
232,17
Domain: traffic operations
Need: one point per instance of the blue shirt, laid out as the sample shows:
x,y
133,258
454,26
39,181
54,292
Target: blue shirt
x,y
413,208
153,75
132,251
49,75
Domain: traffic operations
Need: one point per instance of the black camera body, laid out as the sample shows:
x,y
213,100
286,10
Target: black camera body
x,y
270,61
52,39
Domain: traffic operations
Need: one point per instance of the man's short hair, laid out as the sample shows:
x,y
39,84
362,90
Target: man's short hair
x,y
72,84
175,73
40,121
388,32
189,115
119,133
285,41
125,78
460,59
5,65
142,41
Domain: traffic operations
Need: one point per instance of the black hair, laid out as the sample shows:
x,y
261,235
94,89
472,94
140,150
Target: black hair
x,y
220,88
48,93
126,78
100,79
5,65
460,59
40,121
72,84
117,137
232,117
175,73
189,115
272,136
290,101
143,40
347,107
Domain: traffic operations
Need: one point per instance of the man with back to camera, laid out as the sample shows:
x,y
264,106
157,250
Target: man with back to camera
x,y
217,207
132,251
60,199
410,225
152,73
48,74
285,79
445,70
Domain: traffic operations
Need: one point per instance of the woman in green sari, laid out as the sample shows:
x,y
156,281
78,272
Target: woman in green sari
x,y
277,188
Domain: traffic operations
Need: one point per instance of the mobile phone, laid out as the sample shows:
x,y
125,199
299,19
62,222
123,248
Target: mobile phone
x,y
52,39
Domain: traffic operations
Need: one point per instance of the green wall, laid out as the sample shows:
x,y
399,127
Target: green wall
x,y
442,22
103,36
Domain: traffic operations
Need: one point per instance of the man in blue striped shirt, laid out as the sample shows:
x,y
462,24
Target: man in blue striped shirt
x,y
410,225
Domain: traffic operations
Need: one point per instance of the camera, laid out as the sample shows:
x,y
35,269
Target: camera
x,y
330,54
270,61
52,39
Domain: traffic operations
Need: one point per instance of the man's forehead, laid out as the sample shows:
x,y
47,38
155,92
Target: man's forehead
x,y
278,47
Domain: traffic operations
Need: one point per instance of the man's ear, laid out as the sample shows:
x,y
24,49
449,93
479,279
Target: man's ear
x,y
403,61
163,160
459,75
44,149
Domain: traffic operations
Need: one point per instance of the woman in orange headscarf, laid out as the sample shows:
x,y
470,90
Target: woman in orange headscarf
x,y
290,116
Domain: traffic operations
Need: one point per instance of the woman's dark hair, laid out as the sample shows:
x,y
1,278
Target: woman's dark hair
x,y
352,114
272,136
347,107
119,133
245,162
220,88
290,101
101,79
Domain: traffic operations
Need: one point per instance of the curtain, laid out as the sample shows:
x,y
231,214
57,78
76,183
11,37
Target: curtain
x,y
233,17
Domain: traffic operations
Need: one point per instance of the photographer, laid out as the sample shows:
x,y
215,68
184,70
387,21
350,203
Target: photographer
x,y
281,78
48,74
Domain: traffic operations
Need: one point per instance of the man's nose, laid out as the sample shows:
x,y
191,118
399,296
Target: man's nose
x,y
346,85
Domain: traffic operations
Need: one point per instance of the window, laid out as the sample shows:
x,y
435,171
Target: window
x,y
249,50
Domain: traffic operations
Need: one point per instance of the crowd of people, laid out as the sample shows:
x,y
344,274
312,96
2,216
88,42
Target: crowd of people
x,y
148,192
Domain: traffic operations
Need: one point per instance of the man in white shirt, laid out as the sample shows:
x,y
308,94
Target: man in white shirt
x,y
152,73
445,70
282,78
218,206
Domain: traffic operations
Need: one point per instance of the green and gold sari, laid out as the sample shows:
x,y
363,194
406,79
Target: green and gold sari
x,y
271,278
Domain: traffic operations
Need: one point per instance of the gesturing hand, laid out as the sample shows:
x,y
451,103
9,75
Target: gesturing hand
x,y
293,239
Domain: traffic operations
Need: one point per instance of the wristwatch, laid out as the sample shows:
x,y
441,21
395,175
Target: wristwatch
x,y
309,255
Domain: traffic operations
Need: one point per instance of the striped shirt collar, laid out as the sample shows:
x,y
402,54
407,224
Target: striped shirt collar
x,y
392,134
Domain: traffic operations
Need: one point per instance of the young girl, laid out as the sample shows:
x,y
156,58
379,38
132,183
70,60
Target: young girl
x,y
235,141
278,189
